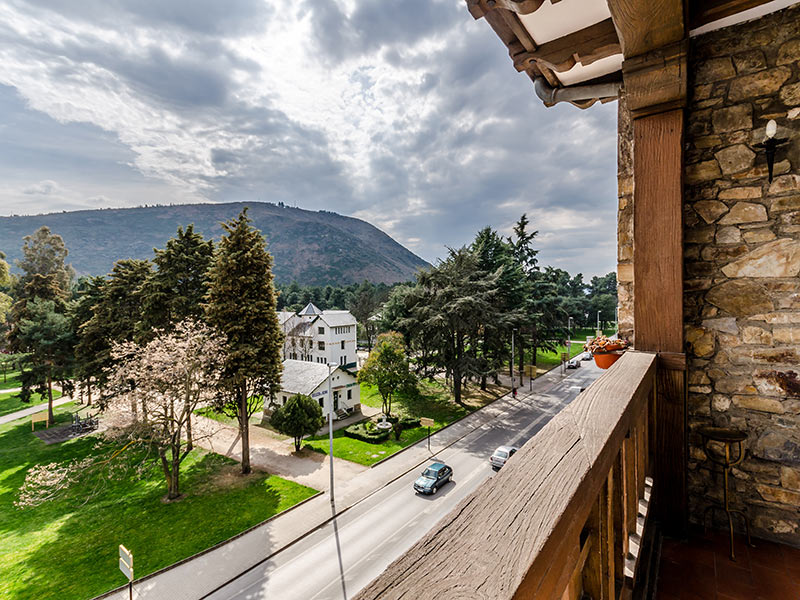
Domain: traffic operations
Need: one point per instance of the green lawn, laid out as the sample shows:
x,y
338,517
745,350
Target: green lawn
x,y
431,399
10,402
209,412
12,380
68,549
581,334
547,360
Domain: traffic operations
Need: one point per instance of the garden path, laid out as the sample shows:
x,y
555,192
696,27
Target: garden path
x,y
274,456
25,412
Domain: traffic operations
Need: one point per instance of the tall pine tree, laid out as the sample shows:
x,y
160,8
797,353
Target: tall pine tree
x,y
241,305
176,289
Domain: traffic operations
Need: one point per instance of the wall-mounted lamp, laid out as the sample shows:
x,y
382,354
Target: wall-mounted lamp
x,y
770,143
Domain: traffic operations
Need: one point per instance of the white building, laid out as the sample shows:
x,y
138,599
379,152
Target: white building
x,y
311,379
320,336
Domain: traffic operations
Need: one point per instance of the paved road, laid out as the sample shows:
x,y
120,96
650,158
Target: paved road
x,y
343,556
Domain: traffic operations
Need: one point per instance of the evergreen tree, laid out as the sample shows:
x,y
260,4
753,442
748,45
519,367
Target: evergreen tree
x,y
44,253
44,275
449,305
47,338
115,318
91,341
300,416
241,305
496,255
176,289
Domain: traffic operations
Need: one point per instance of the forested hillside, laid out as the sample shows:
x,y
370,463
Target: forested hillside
x,y
313,248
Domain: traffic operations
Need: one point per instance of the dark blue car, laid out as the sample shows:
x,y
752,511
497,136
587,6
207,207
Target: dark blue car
x,y
432,478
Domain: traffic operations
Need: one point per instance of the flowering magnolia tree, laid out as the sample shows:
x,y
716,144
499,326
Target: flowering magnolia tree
x,y
168,378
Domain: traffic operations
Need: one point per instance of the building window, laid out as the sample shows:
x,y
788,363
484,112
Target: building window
x,y
321,345
349,394
341,360
321,403
342,344
321,330
284,399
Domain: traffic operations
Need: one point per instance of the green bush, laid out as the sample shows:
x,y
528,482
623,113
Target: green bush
x,y
367,432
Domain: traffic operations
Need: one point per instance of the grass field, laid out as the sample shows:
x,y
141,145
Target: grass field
x,y
67,547
10,402
431,399
210,413
581,334
12,380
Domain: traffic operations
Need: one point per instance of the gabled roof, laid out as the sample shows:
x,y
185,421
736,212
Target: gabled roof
x,y
303,377
309,310
338,318
284,315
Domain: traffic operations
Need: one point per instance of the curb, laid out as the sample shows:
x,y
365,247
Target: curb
x,y
207,550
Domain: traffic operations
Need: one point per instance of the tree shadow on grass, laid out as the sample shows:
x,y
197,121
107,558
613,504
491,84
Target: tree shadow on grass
x,y
79,558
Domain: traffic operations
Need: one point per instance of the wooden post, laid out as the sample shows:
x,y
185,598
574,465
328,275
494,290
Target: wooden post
x,y
658,301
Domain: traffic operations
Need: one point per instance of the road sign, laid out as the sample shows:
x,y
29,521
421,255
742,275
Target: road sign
x,y
126,569
426,422
126,562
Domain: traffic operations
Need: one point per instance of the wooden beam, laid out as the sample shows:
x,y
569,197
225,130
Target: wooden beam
x,y
644,25
702,12
658,232
480,8
585,46
656,81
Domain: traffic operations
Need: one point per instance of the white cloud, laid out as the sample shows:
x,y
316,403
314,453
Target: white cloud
x,y
388,112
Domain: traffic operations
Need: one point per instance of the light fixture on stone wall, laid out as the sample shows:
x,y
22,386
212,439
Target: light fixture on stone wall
x,y
770,143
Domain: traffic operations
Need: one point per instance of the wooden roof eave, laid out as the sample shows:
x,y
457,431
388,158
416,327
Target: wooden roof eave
x,y
547,60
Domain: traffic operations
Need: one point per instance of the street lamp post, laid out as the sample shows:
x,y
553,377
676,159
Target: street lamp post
x,y
330,427
512,361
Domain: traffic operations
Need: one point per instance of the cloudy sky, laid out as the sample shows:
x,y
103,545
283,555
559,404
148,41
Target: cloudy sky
x,y
406,114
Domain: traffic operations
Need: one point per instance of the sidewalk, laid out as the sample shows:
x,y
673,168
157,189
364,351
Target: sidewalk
x,y
32,410
199,576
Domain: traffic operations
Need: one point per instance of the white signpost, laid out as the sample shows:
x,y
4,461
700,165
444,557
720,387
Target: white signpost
x,y
126,566
426,422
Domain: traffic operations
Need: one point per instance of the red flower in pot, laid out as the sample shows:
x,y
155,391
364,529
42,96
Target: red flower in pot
x,y
606,351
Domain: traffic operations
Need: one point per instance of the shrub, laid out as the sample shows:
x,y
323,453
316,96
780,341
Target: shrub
x,y
367,432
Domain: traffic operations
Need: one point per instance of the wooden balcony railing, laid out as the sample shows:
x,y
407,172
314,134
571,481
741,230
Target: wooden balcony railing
x,y
562,520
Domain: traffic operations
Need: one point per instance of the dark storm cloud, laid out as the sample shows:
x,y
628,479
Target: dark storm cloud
x,y
376,24
209,17
490,151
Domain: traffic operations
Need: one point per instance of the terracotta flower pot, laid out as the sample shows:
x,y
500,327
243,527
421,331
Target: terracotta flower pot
x,y
606,359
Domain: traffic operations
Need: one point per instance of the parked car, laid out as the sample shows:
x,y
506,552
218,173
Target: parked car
x,y
432,478
501,455
574,363
586,356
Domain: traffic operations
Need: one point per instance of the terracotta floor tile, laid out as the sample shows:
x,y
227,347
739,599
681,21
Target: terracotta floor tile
x,y
697,579
768,554
735,582
779,587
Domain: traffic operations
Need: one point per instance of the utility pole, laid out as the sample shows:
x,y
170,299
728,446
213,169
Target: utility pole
x,y
598,320
330,427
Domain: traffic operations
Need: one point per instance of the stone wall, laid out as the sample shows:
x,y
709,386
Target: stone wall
x,y
741,265
625,220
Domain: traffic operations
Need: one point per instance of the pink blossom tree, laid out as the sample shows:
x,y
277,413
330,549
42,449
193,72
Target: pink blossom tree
x,y
169,377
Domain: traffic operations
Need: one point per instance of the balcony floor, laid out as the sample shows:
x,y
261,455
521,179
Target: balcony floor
x,y
700,568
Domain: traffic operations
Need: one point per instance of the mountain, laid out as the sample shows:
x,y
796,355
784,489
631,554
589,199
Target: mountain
x,y
312,248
